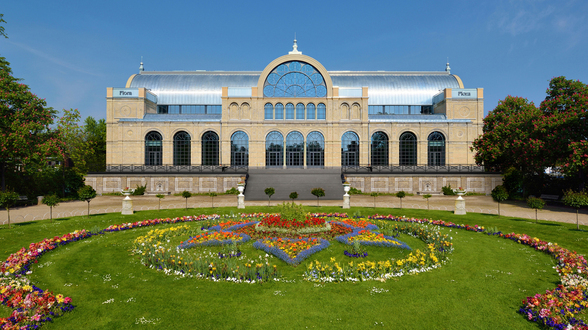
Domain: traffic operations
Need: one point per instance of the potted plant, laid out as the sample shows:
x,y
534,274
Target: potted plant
x,y
346,187
460,191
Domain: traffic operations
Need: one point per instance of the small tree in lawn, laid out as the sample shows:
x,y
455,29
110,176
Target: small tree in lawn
x,y
212,195
160,197
375,194
535,203
318,192
401,194
577,200
87,193
51,201
7,200
427,196
499,194
186,194
269,192
293,196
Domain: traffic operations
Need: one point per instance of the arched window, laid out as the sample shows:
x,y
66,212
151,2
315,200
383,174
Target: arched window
x,y
310,111
321,111
408,149
315,149
269,111
210,148
294,79
436,149
274,149
153,149
289,111
350,149
295,149
380,149
182,149
279,111
239,149
300,111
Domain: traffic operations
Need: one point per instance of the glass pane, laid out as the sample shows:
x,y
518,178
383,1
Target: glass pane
x,y
321,111
380,149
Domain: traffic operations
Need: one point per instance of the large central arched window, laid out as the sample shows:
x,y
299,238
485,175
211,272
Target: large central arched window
x,y
153,149
294,79
239,149
436,149
349,149
294,149
210,148
379,149
182,149
274,149
315,149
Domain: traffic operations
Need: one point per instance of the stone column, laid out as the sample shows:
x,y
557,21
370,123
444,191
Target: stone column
x,y
127,205
460,206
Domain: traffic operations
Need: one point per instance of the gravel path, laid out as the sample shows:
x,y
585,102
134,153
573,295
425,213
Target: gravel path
x,y
108,204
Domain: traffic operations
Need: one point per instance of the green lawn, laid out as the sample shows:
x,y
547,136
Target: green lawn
x,y
482,285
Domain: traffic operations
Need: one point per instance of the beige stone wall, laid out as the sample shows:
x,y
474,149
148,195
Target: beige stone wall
x,y
163,183
424,183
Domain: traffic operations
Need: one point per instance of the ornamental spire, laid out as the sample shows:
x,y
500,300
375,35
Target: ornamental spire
x,y
295,48
447,68
141,69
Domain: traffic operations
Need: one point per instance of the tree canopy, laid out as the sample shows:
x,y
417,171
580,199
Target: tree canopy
x,y
519,135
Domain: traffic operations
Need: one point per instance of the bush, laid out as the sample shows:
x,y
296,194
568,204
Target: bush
x,y
499,194
535,203
139,191
354,191
293,196
292,212
232,191
448,191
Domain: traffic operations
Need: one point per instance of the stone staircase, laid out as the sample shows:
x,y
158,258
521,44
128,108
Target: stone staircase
x,y
285,181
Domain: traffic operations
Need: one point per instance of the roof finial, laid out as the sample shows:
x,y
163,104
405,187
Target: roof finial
x,y
141,69
295,47
447,68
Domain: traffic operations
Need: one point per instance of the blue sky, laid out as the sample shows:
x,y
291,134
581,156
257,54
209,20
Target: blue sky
x,y
69,52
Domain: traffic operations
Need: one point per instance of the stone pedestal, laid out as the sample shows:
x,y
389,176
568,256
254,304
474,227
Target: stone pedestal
x,y
127,206
346,204
241,201
460,207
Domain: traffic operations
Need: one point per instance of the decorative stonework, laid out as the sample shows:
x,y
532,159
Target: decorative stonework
x,y
403,184
475,185
182,184
207,184
111,184
229,183
355,111
130,133
379,184
159,184
453,182
135,182
427,185
357,183
464,112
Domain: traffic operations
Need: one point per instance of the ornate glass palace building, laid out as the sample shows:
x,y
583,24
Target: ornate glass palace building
x,y
293,114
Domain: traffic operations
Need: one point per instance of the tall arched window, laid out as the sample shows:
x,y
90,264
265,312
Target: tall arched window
x,y
310,111
300,111
269,111
210,148
294,79
350,149
153,149
289,111
295,149
321,112
315,149
380,149
436,149
279,111
182,149
239,149
408,149
274,149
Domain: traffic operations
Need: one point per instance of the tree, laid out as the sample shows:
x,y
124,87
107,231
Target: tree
x,y
72,140
87,193
401,194
160,197
499,194
26,140
51,201
2,33
427,196
186,194
375,194
318,192
577,200
293,196
269,192
95,134
535,203
212,195
7,200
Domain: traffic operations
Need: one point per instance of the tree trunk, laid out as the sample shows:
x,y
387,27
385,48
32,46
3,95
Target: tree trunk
x,y
2,167
536,221
51,213
8,210
88,209
498,208
428,204
577,221
212,201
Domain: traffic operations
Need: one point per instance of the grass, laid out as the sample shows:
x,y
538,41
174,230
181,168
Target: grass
x,y
481,287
